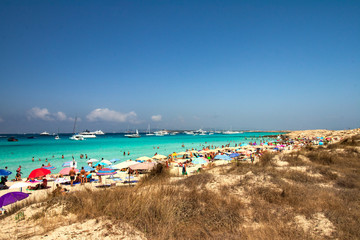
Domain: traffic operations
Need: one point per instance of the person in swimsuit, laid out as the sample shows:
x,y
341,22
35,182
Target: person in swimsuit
x,y
82,175
72,174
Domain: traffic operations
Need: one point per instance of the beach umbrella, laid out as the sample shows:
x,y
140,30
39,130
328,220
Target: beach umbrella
x,y
107,162
106,171
222,157
66,164
233,155
65,171
92,160
122,165
142,166
19,185
39,172
49,168
159,156
12,197
100,163
144,158
88,168
199,161
4,172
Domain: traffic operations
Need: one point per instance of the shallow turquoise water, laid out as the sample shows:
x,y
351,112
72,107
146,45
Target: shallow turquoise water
x,y
109,146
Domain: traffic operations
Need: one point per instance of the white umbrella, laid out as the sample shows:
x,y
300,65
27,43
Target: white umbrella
x,y
92,160
19,185
144,158
122,165
159,156
106,161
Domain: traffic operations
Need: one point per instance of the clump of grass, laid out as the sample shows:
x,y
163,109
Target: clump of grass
x,y
299,177
293,159
158,173
196,180
326,172
38,215
321,157
267,159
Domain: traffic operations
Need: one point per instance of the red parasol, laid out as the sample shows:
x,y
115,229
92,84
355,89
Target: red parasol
x,y
39,172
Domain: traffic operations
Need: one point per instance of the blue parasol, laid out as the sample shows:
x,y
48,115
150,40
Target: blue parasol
x,y
4,172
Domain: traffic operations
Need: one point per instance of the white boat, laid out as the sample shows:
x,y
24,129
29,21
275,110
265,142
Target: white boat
x,y
161,133
87,134
77,137
148,131
174,133
231,132
135,135
45,133
189,132
57,137
200,132
98,132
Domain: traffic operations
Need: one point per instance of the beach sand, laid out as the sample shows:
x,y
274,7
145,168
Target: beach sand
x,y
316,225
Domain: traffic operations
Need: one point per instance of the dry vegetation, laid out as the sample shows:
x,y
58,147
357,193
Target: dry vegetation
x,y
315,196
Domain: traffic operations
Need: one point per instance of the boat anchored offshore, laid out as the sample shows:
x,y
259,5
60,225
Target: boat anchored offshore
x,y
45,133
135,135
87,134
148,132
76,137
161,133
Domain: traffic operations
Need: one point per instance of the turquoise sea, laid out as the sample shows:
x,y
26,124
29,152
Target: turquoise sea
x,y
108,146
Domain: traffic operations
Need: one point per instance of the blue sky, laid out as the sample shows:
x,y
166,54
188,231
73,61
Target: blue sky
x,y
179,65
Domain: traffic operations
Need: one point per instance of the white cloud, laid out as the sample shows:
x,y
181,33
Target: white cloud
x,y
39,113
106,114
44,114
61,116
1,120
156,118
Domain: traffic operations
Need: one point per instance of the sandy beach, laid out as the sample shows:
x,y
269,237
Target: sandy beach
x,y
37,220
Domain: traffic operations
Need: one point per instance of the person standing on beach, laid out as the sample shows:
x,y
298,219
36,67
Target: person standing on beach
x,y
98,167
72,174
82,175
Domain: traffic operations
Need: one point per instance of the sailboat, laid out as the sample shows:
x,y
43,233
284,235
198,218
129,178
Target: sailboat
x,y
135,135
148,131
76,137
57,136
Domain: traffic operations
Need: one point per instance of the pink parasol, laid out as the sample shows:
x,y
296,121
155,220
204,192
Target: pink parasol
x,y
65,171
142,166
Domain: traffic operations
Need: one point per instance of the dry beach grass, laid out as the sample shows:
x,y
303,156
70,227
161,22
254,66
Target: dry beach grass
x,y
312,193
